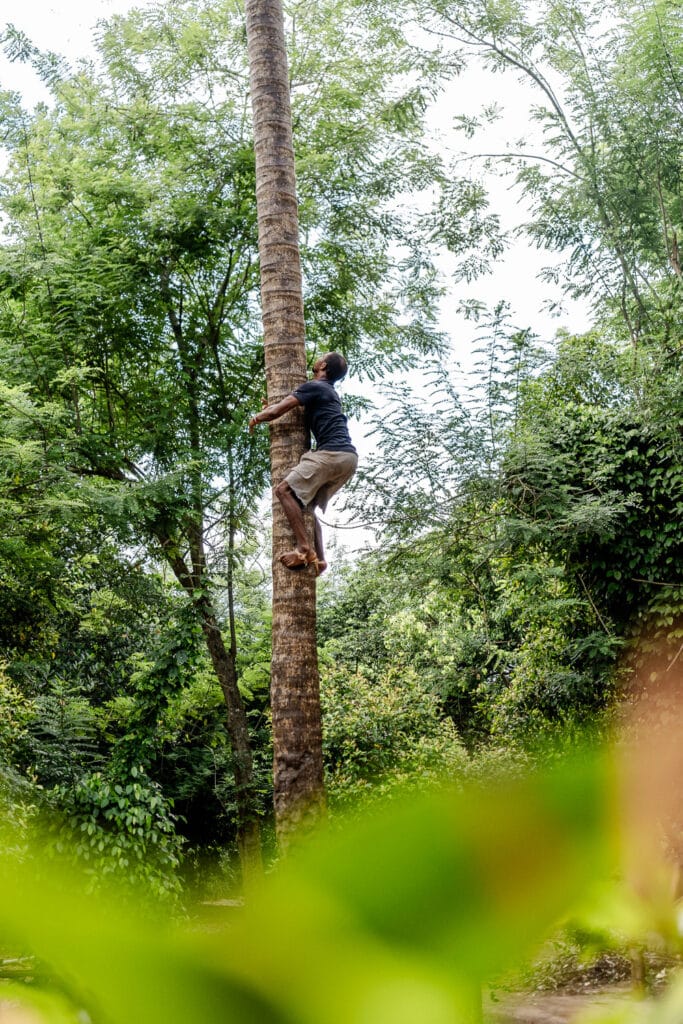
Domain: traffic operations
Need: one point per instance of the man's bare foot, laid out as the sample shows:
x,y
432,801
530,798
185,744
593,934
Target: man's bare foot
x,y
297,559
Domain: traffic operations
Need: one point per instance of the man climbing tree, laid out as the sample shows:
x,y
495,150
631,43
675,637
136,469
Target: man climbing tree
x,y
320,473
295,695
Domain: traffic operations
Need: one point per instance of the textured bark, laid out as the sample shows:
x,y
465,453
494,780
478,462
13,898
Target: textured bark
x,y
295,697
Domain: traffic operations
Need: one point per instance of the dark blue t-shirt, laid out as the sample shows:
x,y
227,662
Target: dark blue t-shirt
x,y
323,416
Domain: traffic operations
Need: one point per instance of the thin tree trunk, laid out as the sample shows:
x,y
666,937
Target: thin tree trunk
x,y
223,662
248,833
193,579
295,697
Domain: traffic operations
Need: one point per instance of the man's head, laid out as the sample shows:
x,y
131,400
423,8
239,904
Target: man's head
x,y
334,366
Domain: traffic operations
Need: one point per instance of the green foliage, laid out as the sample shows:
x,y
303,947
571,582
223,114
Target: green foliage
x,y
512,578
119,833
124,683
399,916
383,733
37,508
15,714
500,632
600,164
64,734
548,673
600,483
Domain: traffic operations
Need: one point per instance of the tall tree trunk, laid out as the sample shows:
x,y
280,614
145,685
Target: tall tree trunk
x,y
295,695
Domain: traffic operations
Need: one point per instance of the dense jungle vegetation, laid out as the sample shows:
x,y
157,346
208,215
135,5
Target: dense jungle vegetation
x,y
525,527
528,528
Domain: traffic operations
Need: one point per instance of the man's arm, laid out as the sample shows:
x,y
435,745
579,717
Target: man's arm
x,y
273,412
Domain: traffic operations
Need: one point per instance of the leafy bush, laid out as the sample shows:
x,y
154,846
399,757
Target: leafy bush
x,y
119,833
379,733
18,794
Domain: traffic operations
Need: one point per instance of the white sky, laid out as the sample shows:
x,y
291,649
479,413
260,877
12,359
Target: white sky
x,y
65,28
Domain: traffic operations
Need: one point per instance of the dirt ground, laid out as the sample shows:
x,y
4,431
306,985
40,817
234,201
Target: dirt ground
x,y
553,1007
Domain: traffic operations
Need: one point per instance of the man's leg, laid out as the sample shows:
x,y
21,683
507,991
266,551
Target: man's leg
x,y
295,517
319,549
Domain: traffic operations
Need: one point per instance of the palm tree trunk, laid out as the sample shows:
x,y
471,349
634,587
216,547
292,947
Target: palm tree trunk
x,y
295,697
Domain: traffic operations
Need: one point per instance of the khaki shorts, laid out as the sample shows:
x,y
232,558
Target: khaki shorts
x,y
319,475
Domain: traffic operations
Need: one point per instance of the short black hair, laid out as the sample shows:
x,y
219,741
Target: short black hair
x,y
335,366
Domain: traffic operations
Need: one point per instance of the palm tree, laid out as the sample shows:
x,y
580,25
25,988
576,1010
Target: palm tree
x,y
295,696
